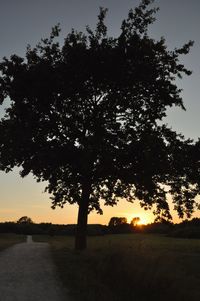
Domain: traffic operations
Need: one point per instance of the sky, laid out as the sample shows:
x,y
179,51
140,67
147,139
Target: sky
x,y
25,22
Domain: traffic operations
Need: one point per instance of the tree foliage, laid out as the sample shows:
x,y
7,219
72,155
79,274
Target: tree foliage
x,y
134,222
25,220
116,221
86,116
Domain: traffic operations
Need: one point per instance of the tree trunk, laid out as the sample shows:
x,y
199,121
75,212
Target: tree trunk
x,y
81,231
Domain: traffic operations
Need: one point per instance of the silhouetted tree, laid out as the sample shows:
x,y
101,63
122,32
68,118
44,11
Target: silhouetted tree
x,y
119,225
25,220
134,221
116,221
84,117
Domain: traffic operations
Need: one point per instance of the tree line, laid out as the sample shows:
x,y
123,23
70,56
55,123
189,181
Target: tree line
x,y
116,225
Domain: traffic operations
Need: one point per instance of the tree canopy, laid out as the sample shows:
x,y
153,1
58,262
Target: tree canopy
x,y
25,220
116,221
87,117
134,222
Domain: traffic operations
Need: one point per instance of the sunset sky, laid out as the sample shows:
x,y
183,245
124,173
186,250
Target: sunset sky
x,y
25,22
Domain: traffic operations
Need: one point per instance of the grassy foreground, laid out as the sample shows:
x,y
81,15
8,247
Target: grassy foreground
x,y
7,240
129,267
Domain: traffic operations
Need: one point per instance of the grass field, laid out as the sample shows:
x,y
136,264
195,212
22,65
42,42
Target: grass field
x,y
132,267
7,240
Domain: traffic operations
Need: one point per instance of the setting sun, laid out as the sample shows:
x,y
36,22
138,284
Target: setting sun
x,y
139,223
139,219
142,221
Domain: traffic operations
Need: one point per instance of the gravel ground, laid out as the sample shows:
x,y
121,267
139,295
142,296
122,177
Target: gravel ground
x,y
27,273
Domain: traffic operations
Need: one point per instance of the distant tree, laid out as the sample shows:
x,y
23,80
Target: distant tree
x,y
116,221
25,220
119,225
134,221
86,117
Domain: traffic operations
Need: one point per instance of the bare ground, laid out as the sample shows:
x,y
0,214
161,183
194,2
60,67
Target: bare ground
x,y
27,273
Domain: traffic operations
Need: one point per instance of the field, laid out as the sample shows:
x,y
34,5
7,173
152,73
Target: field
x,y
7,240
129,267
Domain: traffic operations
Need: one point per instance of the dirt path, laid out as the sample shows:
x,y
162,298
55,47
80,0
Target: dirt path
x,y
27,273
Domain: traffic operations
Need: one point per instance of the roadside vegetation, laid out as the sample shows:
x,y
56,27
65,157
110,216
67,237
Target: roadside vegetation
x,y
127,267
8,239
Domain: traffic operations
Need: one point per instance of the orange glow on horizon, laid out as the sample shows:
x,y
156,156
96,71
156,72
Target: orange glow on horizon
x,y
144,219
142,222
